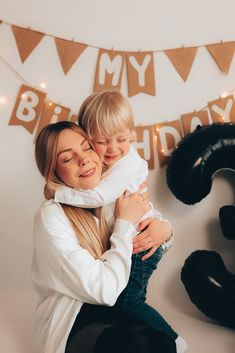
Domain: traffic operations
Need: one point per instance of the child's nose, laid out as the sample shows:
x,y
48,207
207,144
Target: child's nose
x,y
112,146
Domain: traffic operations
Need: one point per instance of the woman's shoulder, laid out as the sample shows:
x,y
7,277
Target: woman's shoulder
x,y
50,211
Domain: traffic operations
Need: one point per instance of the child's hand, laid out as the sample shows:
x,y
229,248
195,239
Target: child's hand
x,y
48,193
154,232
133,207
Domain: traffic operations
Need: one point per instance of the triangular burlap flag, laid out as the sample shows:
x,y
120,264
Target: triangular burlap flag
x,y
182,59
222,53
140,73
26,40
109,69
69,52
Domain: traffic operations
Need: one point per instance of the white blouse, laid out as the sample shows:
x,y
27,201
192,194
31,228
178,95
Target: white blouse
x,y
66,275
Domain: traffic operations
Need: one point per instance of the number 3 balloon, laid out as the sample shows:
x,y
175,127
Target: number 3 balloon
x,y
190,171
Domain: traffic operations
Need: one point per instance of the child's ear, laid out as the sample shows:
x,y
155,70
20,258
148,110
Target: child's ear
x,y
132,137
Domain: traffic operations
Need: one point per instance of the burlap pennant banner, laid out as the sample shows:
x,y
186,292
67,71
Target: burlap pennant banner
x,y
140,73
223,109
26,40
69,52
27,108
168,136
109,69
191,120
182,59
222,53
52,113
144,142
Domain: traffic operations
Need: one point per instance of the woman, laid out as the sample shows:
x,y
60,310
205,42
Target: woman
x,y
75,259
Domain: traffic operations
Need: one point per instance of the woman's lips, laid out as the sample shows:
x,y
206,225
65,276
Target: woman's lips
x,y
88,173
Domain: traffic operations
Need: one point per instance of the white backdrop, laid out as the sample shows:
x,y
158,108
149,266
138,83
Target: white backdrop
x,y
125,25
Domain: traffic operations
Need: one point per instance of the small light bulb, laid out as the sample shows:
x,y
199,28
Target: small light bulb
x,y
158,129
50,104
43,85
23,95
155,137
223,95
223,118
3,100
162,150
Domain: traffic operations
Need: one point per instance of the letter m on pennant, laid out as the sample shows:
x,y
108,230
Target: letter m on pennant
x,y
109,69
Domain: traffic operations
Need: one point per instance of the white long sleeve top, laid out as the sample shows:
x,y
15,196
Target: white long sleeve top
x,y
66,275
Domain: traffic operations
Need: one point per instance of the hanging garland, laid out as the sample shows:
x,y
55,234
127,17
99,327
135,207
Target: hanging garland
x,y
110,63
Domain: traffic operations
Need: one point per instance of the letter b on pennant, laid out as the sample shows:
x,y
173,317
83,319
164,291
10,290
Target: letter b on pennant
x,y
27,108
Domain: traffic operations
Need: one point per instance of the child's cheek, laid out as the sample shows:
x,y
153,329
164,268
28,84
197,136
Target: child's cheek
x,y
100,151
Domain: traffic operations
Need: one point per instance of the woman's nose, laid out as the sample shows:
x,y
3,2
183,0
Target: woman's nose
x,y
83,162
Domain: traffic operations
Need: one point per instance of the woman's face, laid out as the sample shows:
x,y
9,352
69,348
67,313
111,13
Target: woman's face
x,y
78,165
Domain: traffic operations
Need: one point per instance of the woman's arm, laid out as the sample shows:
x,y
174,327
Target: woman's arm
x,y
62,265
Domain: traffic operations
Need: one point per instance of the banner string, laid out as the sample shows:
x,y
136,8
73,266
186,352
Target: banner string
x,y
112,48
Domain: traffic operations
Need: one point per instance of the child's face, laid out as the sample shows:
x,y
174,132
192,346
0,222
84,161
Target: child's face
x,y
112,148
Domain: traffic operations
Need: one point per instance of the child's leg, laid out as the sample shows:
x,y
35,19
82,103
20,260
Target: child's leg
x,y
141,271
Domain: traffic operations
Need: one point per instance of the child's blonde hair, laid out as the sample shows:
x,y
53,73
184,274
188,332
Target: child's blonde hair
x,y
105,113
92,237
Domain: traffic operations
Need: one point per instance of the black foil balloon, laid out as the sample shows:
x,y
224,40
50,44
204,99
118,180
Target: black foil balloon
x,y
197,157
190,171
210,286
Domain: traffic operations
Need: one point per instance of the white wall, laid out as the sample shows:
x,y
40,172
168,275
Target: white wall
x,y
124,25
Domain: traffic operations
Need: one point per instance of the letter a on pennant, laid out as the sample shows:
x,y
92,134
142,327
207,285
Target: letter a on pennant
x,y
27,108
140,73
109,69
26,40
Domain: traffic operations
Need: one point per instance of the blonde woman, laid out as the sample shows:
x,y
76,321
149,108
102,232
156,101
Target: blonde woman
x,y
75,259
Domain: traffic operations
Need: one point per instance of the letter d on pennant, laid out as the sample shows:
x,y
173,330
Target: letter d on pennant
x,y
168,136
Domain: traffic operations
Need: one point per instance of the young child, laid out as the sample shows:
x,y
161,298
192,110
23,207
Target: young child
x,y
107,118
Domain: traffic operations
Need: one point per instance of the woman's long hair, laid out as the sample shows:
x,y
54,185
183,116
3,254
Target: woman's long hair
x,y
92,235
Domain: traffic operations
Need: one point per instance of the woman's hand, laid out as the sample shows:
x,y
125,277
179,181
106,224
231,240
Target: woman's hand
x,y
154,232
132,207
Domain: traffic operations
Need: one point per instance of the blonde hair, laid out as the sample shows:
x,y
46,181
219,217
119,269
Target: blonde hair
x,y
92,237
105,113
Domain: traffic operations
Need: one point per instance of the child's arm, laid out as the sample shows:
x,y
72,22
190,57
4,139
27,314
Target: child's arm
x,y
154,232
125,175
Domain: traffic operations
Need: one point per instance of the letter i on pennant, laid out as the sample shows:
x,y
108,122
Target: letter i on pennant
x,y
52,113
27,108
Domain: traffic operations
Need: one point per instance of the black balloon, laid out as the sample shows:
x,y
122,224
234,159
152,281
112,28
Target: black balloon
x,y
210,286
197,157
190,171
